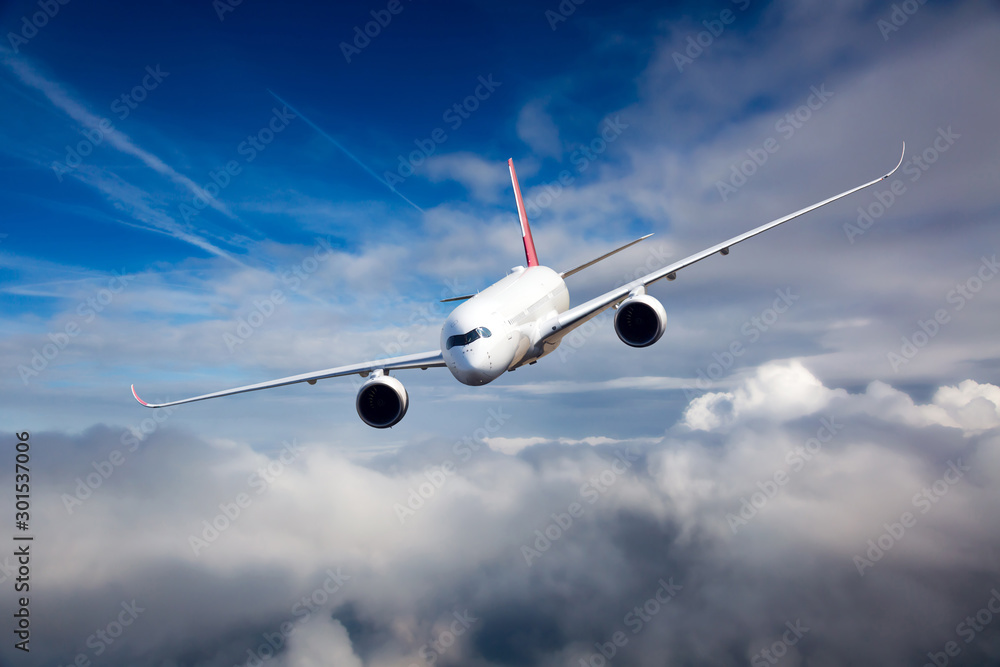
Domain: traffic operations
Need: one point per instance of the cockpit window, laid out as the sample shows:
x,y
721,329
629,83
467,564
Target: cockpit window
x,y
466,338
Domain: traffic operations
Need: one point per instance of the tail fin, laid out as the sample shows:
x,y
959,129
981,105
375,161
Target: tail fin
x,y
529,244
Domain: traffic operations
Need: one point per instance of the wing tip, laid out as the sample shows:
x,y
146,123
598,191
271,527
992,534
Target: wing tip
x,y
901,156
136,396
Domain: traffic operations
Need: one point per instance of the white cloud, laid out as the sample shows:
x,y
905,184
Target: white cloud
x,y
643,383
784,390
969,406
512,446
650,508
321,643
779,391
484,179
536,128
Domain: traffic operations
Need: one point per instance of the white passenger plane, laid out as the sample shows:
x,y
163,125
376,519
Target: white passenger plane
x,y
516,321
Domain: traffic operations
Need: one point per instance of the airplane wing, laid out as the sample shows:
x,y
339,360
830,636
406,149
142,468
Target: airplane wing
x,y
559,326
420,360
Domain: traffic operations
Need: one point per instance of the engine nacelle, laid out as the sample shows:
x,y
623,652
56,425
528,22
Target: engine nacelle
x,y
640,320
382,401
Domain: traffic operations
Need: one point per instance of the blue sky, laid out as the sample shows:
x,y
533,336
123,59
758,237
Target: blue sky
x,y
215,94
211,237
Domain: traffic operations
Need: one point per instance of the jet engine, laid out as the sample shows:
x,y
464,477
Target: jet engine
x,y
382,401
640,320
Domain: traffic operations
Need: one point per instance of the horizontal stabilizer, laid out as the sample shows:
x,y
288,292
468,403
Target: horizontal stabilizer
x,y
458,298
602,257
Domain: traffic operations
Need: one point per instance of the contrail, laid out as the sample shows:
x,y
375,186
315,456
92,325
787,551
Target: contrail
x,y
344,150
58,96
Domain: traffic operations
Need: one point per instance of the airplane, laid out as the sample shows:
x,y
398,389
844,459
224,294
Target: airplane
x,y
515,322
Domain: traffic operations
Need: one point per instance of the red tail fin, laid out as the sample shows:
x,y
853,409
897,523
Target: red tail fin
x,y
529,244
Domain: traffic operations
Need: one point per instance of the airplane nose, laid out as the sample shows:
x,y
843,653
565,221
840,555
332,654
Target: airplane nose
x,y
473,367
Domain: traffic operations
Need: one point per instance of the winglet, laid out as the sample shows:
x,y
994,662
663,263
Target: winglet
x,y
529,244
897,164
141,402
603,257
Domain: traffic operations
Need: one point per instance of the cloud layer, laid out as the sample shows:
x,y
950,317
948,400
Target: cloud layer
x,y
789,508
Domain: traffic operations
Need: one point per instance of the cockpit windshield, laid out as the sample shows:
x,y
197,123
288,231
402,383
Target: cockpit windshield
x,y
466,338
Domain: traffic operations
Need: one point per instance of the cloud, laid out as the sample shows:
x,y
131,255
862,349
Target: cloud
x,y
786,390
321,644
781,391
646,383
483,178
970,406
512,446
536,128
754,518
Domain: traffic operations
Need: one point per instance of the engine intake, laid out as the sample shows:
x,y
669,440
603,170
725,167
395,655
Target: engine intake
x,y
640,320
382,401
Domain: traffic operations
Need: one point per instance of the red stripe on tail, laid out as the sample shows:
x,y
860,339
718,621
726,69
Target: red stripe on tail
x,y
529,244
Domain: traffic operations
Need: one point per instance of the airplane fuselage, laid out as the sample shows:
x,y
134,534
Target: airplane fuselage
x,y
500,328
